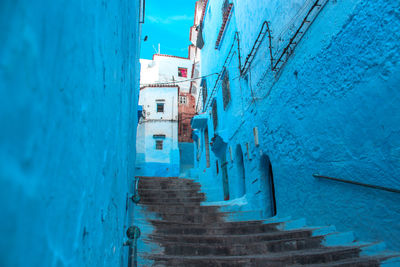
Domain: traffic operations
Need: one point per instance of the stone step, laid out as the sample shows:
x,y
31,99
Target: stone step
x,y
240,249
182,232
225,228
233,239
180,209
391,260
215,224
143,178
169,187
166,181
167,201
170,194
156,192
300,257
363,261
188,219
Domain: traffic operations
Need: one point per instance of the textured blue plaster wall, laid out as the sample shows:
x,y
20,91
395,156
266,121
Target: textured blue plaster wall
x,y
68,79
340,117
334,110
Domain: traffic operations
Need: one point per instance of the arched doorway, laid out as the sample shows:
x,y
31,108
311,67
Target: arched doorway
x,y
219,147
225,182
241,189
267,185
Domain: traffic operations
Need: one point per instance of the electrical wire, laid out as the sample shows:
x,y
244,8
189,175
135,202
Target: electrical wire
x,y
182,81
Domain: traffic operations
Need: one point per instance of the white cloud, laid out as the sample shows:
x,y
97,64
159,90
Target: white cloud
x,y
169,20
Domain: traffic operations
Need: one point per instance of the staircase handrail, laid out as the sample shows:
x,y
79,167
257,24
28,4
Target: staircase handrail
x,y
393,190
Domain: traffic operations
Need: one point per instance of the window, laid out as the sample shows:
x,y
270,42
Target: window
x,y
159,144
160,107
226,90
207,145
198,150
226,12
215,114
185,129
216,165
204,91
182,99
182,72
225,8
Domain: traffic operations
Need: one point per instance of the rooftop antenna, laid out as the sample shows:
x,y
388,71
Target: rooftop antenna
x,y
155,49
158,51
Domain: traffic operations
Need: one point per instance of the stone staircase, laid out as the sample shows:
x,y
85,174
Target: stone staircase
x,y
178,230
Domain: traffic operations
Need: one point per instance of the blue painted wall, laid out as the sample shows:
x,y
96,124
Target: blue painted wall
x,y
186,157
68,116
333,109
162,163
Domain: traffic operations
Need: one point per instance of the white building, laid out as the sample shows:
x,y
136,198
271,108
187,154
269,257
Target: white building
x,y
167,69
168,95
157,133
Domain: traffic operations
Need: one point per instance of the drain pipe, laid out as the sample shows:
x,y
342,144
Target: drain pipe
x,y
133,232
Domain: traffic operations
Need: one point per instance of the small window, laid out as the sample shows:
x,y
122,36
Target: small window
x,y
159,144
225,8
185,129
216,165
204,91
182,72
160,107
215,114
198,150
182,99
207,145
226,89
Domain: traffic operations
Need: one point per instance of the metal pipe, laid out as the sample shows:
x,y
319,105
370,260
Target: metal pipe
x,y
357,183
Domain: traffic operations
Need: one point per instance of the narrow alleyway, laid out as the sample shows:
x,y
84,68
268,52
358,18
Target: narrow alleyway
x,y
190,234
200,133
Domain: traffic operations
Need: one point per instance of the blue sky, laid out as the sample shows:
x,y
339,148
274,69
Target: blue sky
x,y
167,23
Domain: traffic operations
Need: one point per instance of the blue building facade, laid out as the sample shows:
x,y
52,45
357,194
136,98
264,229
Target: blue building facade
x,y
69,82
303,88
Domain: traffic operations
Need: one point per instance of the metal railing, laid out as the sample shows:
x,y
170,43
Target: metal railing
x,y
220,74
265,30
357,183
280,56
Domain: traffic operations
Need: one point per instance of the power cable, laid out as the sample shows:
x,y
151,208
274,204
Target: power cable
x,y
182,81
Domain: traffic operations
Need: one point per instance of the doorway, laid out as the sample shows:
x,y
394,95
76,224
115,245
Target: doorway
x,y
225,182
240,171
268,186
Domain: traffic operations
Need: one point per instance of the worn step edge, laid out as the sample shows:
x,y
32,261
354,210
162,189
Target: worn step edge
x,y
391,261
338,238
252,243
276,235
346,262
271,256
169,190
